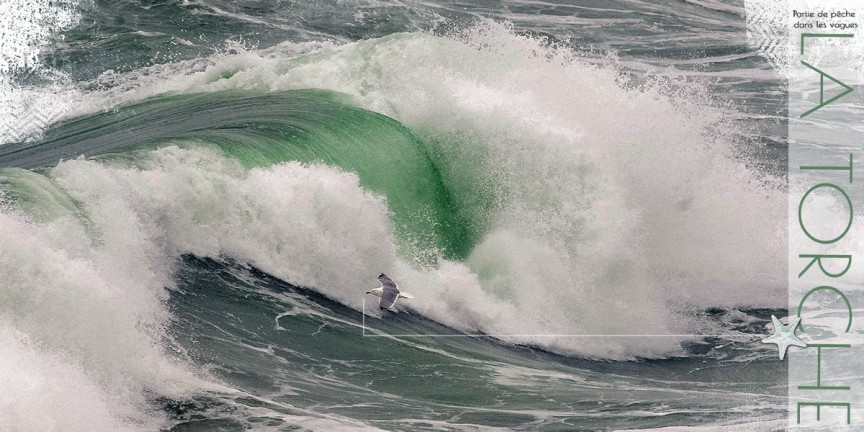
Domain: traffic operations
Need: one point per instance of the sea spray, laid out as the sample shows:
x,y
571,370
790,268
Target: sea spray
x,y
80,323
584,220
504,139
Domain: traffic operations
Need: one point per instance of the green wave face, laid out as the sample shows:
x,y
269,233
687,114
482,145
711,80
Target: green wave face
x,y
36,194
261,129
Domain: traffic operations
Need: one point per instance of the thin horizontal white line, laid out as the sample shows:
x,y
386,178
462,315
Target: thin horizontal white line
x,y
553,335
363,326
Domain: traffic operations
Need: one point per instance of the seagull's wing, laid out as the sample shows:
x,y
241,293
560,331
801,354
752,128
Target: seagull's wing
x,y
387,300
388,284
390,294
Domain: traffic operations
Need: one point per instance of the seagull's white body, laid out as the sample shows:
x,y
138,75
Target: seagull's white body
x,y
378,292
388,292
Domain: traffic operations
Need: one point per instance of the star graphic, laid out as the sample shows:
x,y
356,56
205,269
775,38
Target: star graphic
x,y
784,335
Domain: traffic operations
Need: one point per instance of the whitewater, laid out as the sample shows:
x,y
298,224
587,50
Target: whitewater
x,y
187,246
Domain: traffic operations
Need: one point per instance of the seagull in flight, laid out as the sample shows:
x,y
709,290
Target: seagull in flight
x,y
388,291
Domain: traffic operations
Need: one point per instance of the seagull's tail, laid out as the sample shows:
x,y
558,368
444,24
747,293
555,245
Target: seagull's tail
x,y
406,296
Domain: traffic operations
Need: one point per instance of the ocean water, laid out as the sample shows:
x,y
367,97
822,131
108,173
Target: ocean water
x,y
587,200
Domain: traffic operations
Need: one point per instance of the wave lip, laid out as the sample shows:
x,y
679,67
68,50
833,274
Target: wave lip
x,y
262,129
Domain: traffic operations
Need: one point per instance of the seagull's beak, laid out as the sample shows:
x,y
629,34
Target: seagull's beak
x,y
368,292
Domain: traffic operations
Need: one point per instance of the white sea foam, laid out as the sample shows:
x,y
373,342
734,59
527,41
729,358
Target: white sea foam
x,y
48,392
613,208
312,225
80,326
